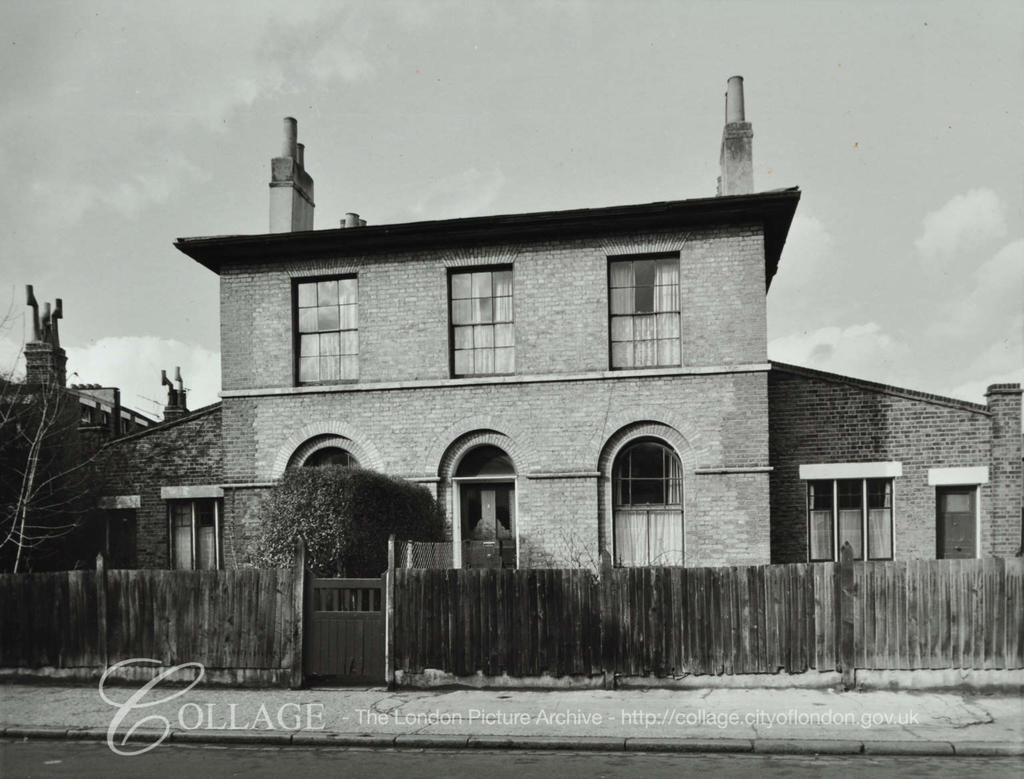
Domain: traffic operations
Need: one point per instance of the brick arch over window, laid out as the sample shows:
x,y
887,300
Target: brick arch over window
x,y
518,446
689,437
623,437
319,435
464,444
330,441
643,244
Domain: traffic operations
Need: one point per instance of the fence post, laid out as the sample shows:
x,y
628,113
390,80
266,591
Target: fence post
x,y
101,610
298,609
606,603
389,616
846,604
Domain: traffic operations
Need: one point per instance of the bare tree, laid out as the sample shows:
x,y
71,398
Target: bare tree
x,y
46,484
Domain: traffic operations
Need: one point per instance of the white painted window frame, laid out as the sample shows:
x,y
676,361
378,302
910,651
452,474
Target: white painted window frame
x,y
836,472
217,553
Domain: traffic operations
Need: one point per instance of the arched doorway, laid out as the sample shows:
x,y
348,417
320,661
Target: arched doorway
x,y
647,502
485,486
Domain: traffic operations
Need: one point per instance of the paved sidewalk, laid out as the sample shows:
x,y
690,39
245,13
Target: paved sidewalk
x,y
789,720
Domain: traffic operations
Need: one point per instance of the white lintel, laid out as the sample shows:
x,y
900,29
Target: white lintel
x,y
937,477
882,470
193,491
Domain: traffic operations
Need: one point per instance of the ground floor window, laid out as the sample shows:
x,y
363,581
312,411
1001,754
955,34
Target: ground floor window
x,y
854,511
195,534
647,496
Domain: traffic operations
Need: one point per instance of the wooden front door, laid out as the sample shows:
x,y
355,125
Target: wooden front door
x,y
956,522
345,639
488,525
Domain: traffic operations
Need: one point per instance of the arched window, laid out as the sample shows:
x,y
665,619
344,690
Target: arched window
x,y
331,455
647,494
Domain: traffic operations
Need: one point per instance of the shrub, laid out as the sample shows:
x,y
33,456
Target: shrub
x,y
345,516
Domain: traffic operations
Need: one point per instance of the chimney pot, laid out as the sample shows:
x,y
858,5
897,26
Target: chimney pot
x,y
291,135
351,220
300,154
734,109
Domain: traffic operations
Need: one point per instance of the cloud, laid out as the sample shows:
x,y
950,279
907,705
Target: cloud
x,y
468,193
974,390
863,351
997,295
133,363
85,126
808,262
148,184
966,222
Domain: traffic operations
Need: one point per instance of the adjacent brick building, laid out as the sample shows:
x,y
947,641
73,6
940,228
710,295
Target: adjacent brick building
x,y
568,383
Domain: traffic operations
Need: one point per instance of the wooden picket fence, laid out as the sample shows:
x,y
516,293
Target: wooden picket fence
x,y
244,623
738,620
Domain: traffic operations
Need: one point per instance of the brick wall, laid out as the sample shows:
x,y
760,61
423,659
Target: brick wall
x,y
560,304
185,452
557,431
822,418
1003,533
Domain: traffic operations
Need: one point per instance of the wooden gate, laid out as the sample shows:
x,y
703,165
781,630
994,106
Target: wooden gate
x,y
345,642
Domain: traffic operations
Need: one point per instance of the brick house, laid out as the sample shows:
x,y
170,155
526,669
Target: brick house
x,y
568,383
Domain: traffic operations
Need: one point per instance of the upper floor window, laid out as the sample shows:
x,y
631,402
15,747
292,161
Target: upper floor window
x,y
644,311
328,330
483,336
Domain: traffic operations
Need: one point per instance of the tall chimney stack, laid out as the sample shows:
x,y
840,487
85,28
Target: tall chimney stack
x,y
737,158
45,360
291,188
176,406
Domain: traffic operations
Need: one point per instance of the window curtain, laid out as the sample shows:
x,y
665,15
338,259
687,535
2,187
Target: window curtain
x,y
503,284
206,555
666,291
879,533
821,534
622,274
181,525
850,530
666,537
631,537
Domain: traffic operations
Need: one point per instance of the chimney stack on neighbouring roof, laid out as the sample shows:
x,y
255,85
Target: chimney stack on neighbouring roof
x,y
45,360
176,406
291,188
737,158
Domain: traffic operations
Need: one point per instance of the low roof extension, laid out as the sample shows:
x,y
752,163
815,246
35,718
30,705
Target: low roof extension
x,y
773,210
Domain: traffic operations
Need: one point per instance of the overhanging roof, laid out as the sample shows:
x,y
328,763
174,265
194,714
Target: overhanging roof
x,y
773,210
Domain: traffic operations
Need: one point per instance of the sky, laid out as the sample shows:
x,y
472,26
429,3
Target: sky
x,y
126,125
